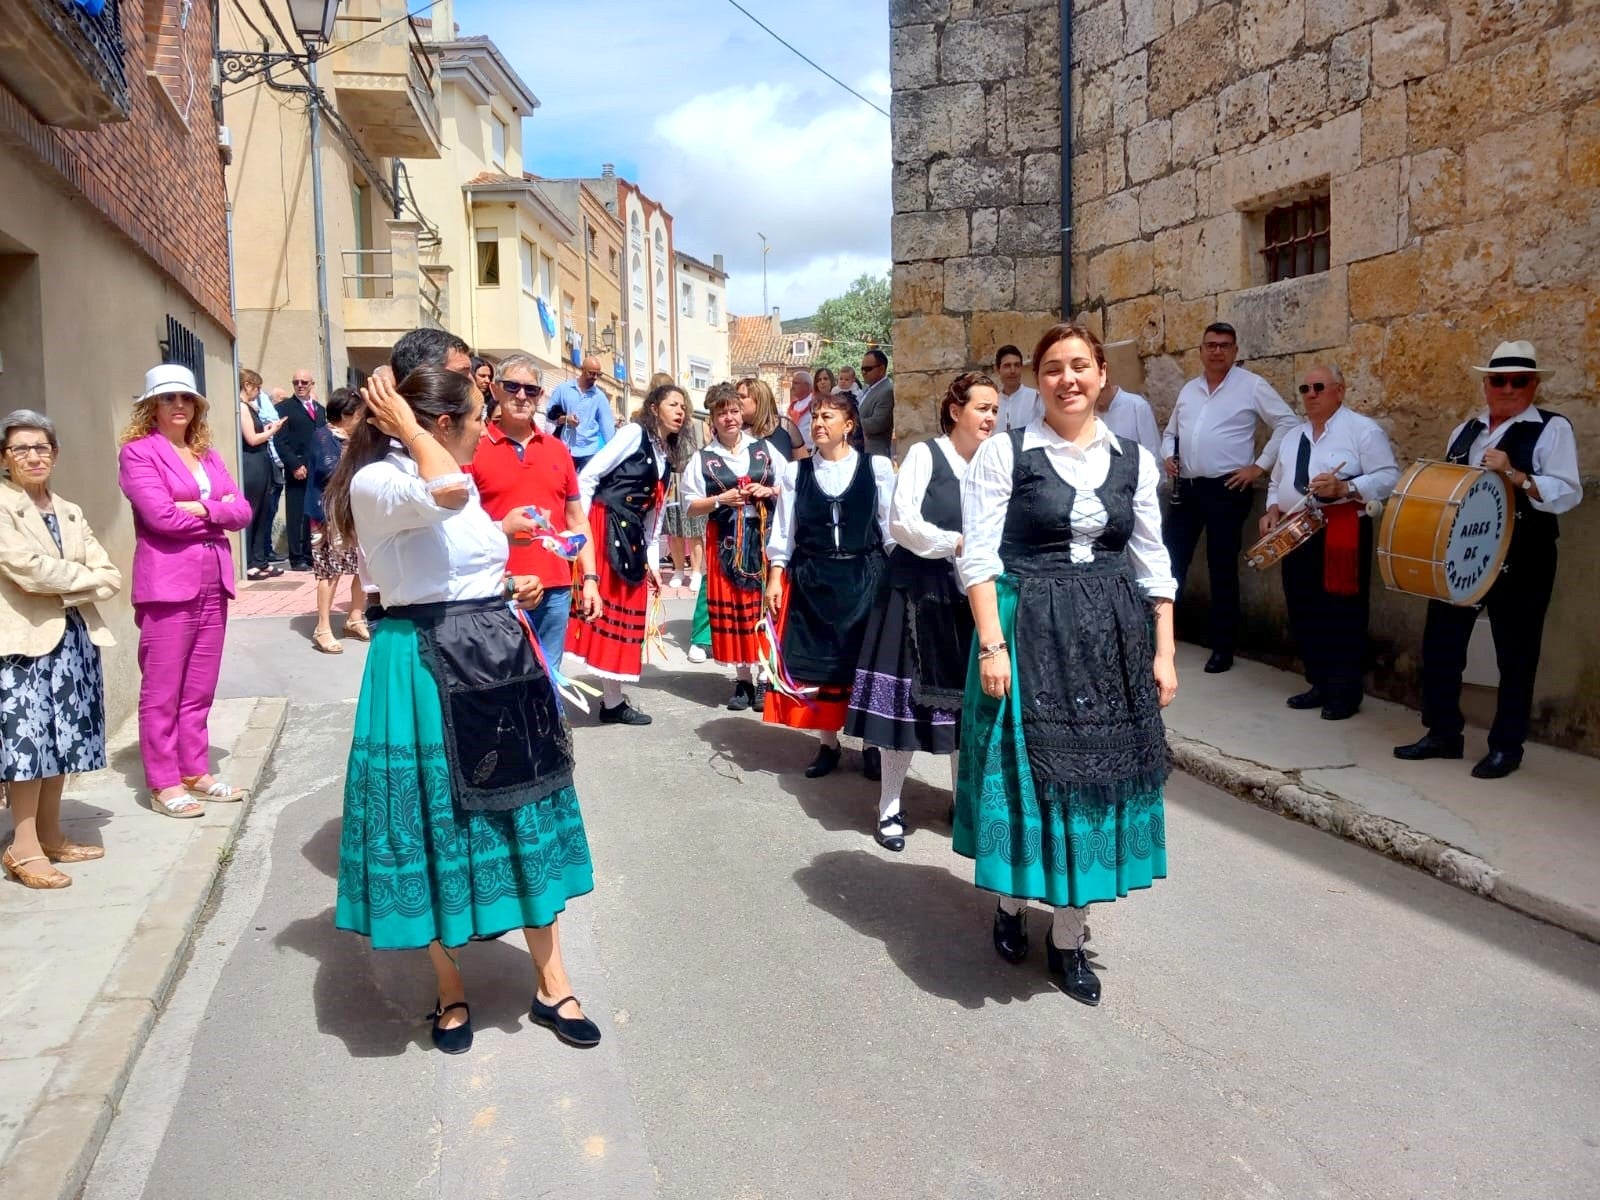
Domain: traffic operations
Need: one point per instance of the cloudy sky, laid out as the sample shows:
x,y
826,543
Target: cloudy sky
x,y
716,120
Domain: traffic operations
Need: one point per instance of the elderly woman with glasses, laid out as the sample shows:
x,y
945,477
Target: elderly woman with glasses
x,y
52,715
184,506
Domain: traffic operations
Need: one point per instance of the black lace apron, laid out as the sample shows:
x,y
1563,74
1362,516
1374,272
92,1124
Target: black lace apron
x,y
739,545
629,492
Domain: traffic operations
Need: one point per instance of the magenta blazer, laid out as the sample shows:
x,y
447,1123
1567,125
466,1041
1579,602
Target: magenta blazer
x,y
170,545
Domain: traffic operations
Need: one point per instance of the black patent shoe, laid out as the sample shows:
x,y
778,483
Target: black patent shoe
x,y
1011,935
872,763
823,764
1497,764
452,1041
622,714
1072,971
1431,745
744,697
1310,698
1341,711
1218,663
895,841
574,1031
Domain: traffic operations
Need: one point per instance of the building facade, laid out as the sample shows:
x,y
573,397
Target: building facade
x,y
702,300
1391,188
591,280
759,348
113,244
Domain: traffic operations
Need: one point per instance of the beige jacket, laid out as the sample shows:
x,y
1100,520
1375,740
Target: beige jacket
x,y
39,583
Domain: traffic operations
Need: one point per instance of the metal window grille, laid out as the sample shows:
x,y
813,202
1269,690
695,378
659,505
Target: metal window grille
x,y
1296,241
181,346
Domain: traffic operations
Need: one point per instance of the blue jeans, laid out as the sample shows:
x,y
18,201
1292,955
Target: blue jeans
x,y
549,620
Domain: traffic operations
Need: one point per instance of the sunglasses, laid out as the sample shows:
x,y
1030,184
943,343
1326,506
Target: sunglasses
x,y
531,390
1319,387
1509,381
302,383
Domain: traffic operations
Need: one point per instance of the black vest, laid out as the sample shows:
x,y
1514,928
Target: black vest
x,y
941,508
825,526
628,493
1517,442
719,477
1037,538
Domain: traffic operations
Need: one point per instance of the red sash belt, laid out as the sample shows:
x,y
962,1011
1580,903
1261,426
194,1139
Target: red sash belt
x,y
1341,550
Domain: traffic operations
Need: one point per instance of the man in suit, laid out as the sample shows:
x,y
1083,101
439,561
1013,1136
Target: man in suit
x,y
302,415
877,403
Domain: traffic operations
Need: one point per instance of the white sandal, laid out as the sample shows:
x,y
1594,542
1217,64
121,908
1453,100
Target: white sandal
x,y
181,807
220,792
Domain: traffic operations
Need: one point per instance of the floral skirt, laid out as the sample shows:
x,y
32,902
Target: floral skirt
x,y
53,709
413,866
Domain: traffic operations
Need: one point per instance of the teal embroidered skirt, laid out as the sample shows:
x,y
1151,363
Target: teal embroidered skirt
x,y
413,867
1051,840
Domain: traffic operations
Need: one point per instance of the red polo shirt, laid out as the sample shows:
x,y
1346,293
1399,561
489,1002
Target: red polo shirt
x,y
539,475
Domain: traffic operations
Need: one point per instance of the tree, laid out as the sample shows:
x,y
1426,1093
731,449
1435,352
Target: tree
x,y
850,323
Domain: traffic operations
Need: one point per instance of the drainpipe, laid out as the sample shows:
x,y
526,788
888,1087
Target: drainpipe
x,y
319,232
1066,159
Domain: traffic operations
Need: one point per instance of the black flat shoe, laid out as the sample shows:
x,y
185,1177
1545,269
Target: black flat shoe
x,y
1011,935
622,714
744,697
1310,698
1430,745
823,764
574,1031
893,841
872,763
1072,971
1218,663
1497,764
452,1041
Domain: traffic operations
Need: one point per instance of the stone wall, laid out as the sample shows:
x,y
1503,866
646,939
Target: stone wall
x,y
1458,142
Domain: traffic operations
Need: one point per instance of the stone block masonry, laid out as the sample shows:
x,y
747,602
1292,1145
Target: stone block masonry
x,y
1457,145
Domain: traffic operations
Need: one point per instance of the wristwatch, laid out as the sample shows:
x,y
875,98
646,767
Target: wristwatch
x,y
1527,482
588,575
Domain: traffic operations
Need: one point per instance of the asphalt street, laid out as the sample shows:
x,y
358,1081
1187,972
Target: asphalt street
x,y
791,1012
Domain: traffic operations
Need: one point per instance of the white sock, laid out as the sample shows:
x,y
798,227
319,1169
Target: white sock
x,y
1011,906
1066,930
830,738
895,765
611,692
742,673
955,772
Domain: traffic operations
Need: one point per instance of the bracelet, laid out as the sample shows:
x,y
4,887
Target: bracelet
x,y
416,435
991,650
588,575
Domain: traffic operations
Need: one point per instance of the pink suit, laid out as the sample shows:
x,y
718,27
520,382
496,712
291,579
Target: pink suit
x,y
182,581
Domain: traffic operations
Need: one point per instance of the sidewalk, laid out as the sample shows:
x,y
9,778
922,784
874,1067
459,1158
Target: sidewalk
x,y
88,968
1530,841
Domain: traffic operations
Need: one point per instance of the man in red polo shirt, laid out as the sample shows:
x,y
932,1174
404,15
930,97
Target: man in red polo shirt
x,y
517,466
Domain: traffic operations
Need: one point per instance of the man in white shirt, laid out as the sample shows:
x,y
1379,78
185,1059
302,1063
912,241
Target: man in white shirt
x,y
1336,462
1210,448
1538,454
800,406
1019,403
1129,415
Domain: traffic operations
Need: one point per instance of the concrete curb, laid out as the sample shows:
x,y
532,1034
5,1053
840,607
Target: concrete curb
x,y
58,1144
1284,792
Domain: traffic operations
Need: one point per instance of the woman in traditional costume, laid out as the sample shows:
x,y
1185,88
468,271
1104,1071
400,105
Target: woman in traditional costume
x,y
733,483
460,819
1059,790
826,565
913,666
623,487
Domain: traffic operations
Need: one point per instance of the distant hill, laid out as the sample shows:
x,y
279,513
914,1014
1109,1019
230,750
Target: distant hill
x,y
800,324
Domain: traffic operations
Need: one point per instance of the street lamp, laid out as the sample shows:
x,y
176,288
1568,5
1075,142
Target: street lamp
x,y
766,309
313,20
608,339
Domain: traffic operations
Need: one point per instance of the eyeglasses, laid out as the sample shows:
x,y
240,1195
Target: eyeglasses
x,y
1318,387
31,450
1218,345
531,390
1509,381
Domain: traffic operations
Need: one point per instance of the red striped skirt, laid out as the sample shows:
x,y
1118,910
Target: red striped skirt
x,y
613,645
825,708
734,613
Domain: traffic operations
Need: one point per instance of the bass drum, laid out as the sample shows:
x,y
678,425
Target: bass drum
x,y
1445,532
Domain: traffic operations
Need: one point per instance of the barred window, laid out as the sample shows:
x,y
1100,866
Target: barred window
x,y
1296,241
182,347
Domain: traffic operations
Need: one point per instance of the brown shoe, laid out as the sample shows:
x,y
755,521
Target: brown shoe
x,y
43,881
72,852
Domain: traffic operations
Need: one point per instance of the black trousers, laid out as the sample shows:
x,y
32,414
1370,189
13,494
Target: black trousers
x,y
1210,508
1329,631
1516,605
257,471
296,528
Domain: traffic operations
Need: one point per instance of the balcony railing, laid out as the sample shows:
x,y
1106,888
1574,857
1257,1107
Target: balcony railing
x,y
64,60
386,293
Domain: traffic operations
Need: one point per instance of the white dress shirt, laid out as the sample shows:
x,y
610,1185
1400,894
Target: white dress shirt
x,y
414,550
1555,459
986,497
1352,445
693,486
1130,416
834,479
911,488
606,460
1019,408
1213,433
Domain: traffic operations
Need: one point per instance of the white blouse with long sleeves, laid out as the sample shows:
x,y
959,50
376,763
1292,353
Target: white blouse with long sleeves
x,y
416,551
834,480
693,486
911,488
607,460
986,498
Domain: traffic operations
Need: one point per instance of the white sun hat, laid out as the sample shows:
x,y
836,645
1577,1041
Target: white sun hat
x,y
1513,356
169,379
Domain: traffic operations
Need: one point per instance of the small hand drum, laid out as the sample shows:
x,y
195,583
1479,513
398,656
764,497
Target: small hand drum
x,y
1294,531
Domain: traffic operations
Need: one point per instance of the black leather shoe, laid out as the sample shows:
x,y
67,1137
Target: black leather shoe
x,y
1310,698
872,763
1072,971
1011,935
574,1031
823,764
895,841
1339,712
1218,663
622,714
744,695
1430,745
1496,764
452,1041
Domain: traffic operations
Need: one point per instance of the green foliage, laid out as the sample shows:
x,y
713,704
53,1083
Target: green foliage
x,y
852,322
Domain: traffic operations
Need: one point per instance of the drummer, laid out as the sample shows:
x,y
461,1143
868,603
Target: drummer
x,y
1536,451
1341,460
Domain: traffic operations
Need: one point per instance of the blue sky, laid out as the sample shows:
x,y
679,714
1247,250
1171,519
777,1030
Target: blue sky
x,y
733,133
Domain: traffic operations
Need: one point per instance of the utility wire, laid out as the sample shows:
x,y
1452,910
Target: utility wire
x,y
330,49
803,57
